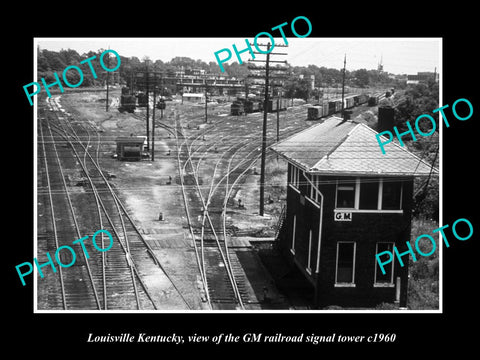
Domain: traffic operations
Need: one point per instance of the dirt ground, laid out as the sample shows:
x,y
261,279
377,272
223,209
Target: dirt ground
x,y
145,190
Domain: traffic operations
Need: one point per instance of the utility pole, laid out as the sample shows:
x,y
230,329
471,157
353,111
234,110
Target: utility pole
x,y
278,118
108,64
153,114
148,105
162,95
265,113
264,136
206,96
106,102
343,86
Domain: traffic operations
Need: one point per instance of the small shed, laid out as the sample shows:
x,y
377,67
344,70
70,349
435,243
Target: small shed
x,y
129,147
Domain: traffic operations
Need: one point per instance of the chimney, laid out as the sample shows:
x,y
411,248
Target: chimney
x,y
385,118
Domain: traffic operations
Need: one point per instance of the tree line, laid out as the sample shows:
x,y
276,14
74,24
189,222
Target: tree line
x,y
50,62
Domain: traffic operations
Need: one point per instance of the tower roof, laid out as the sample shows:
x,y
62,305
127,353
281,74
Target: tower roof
x,y
347,147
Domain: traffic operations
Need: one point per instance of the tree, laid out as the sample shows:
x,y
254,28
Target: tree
x,y
236,70
69,56
361,77
418,99
54,61
297,88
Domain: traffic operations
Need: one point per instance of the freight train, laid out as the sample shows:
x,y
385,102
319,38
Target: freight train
x,y
242,105
330,107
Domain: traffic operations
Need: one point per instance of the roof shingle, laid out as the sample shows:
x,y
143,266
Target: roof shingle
x,y
346,147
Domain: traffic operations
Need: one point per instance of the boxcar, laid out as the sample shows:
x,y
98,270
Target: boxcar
x,y
349,102
362,99
127,103
237,108
252,105
314,112
142,100
272,105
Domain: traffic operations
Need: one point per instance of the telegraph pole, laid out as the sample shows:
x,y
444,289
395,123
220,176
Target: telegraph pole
x,y
148,105
153,114
205,80
108,65
106,102
265,113
264,136
343,86
162,95
278,118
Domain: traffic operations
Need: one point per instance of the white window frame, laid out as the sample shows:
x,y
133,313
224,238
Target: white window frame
x,y
294,179
292,249
356,208
352,284
391,283
309,258
314,194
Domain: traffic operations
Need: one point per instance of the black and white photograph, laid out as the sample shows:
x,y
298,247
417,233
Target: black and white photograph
x,y
260,187
297,180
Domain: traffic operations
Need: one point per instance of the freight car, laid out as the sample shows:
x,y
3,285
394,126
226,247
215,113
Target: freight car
x,y
274,103
314,112
242,105
253,105
128,102
349,102
375,98
237,108
334,106
327,108
360,99
142,99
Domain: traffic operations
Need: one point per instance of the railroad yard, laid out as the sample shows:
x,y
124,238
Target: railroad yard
x,y
186,226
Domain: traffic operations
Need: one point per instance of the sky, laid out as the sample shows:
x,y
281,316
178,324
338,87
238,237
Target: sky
x,y
398,55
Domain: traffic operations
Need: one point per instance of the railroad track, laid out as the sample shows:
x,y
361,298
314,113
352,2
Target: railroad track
x,y
189,148
207,199
213,275
115,276
223,279
59,232
227,174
